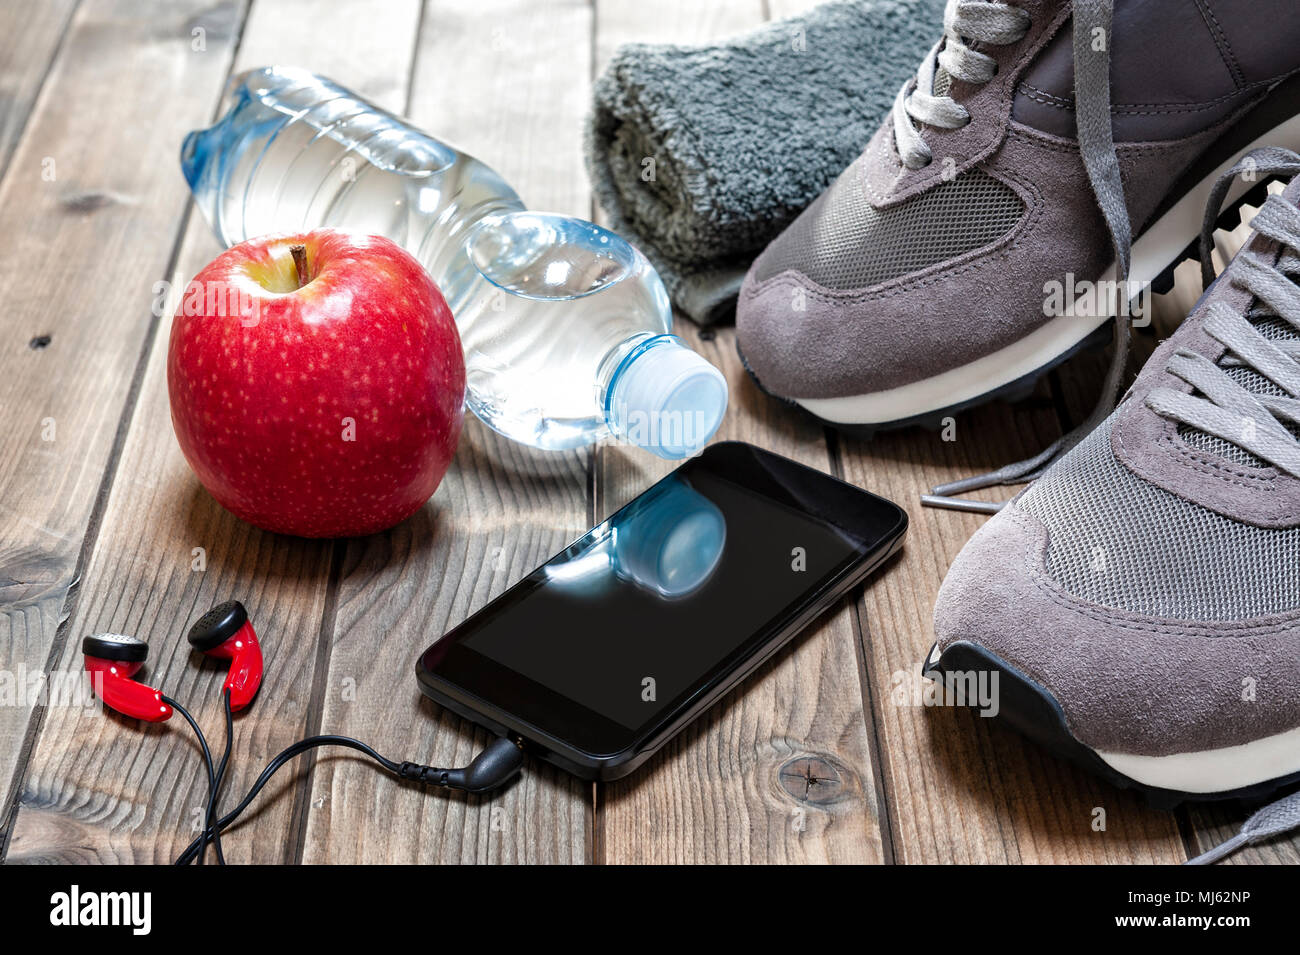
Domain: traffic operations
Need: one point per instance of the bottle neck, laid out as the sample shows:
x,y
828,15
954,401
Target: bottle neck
x,y
615,361
662,397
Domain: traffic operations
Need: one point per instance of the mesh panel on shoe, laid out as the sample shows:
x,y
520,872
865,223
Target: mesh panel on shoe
x,y
1118,541
841,242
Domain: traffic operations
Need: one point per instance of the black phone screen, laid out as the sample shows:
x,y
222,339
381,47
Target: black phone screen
x,y
636,615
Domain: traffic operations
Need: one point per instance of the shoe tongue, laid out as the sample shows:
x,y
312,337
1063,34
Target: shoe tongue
x,y
1273,328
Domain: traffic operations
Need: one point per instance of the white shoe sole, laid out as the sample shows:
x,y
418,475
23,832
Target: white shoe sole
x,y
1214,770
1152,253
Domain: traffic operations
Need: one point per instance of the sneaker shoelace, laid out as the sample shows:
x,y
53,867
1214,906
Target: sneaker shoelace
x,y
1274,819
924,99
972,21
1220,405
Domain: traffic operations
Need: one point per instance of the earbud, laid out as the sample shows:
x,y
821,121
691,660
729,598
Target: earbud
x,y
115,658
225,633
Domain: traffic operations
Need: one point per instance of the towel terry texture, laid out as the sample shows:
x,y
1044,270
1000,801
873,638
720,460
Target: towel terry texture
x,y
701,155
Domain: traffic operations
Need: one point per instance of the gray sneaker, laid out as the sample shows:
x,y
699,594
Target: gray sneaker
x,y
926,278
1140,603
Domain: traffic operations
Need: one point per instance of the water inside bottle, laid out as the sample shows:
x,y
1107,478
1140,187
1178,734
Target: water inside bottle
x,y
547,300
298,152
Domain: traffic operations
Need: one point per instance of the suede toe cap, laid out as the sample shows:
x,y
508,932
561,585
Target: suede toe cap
x,y
1126,683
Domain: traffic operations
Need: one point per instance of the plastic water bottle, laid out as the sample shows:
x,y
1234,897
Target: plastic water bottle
x,y
565,325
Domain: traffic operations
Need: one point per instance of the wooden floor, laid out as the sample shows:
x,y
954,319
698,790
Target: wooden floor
x,y
104,527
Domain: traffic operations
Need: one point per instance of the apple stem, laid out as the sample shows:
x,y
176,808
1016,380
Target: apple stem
x,y
299,253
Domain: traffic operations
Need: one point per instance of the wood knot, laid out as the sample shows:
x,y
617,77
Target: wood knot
x,y
88,202
816,779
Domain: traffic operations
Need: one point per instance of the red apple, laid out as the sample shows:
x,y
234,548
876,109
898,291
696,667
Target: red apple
x,y
317,383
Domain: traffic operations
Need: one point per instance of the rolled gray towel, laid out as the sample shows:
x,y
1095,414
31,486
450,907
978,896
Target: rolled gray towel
x,y
701,155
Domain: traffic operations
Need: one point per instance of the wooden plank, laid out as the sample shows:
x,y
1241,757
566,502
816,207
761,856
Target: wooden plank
x,y
780,9
98,214
103,788
29,38
721,791
508,81
677,21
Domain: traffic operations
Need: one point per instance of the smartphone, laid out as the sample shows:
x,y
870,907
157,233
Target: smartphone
x,y
601,655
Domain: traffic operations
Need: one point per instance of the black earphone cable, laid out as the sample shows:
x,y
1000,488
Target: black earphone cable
x,y
297,749
215,794
207,763
496,765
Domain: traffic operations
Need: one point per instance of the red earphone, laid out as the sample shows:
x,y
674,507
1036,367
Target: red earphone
x,y
111,660
224,632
